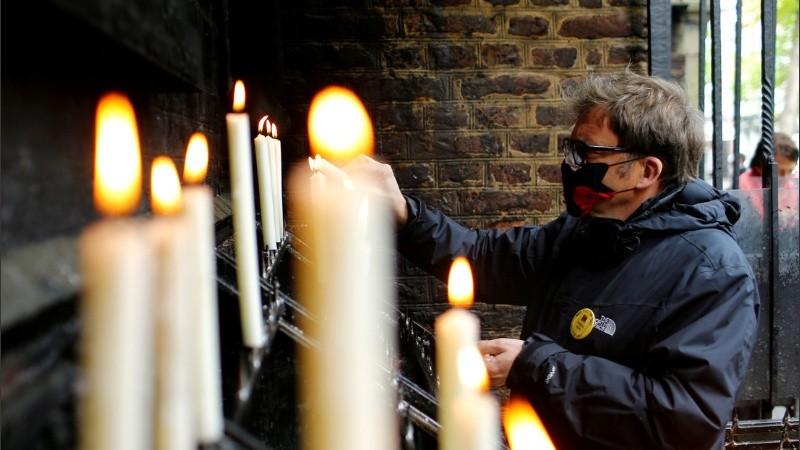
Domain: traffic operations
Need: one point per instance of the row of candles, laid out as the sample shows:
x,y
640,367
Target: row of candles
x,y
150,340
150,348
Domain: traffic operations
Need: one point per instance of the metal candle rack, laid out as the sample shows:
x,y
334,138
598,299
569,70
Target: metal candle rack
x,y
415,406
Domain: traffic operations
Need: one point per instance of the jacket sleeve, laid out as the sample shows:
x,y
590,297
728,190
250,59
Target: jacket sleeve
x,y
503,262
682,395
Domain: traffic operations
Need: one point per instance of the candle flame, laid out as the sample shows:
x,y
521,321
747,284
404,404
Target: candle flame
x,y
471,369
165,189
118,164
261,125
274,130
196,164
238,96
524,428
339,127
459,284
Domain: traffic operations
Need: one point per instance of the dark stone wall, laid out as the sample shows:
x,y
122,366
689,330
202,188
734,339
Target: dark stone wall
x,y
175,62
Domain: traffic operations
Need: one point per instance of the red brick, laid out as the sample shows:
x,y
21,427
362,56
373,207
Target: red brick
x,y
550,173
628,3
465,24
404,57
517,85
511,173
591,3
447,116
529,143
429,145
446,201
390,145
556,57
452,56
400,89
485,144
393,117
496,202
444,145
550,115
604,26
528,26
627,54
593,57
501,55
461,174
415,24
450,2
499,116
549,2
503,2
417,175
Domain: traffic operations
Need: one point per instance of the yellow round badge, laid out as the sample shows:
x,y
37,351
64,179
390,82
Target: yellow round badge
x,y
582,323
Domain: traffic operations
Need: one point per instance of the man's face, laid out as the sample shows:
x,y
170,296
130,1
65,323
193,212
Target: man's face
x,y
594,128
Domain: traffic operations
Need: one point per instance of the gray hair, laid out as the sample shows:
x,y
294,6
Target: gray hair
x,y
650,115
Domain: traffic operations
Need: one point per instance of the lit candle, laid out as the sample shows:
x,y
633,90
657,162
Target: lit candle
x,y
198,208
244,216
173,340
117,270
476,414
346,383
524,428
455,329
318,183
265,186
277,164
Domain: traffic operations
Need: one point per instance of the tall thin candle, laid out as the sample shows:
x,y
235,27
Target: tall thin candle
x,y
455,329
265,186
198,207
117,269
173,340
347,381
244,221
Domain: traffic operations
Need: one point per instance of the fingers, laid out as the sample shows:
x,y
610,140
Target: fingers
x,y
496,346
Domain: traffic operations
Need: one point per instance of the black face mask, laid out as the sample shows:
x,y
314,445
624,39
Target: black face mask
x,y
584,188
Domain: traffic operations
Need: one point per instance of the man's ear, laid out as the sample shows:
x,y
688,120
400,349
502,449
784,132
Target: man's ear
x,y
651,173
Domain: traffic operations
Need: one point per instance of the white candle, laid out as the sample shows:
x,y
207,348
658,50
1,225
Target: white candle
x,y
117,270
173,424
319,183
475,413
455,329
277,179
198,208
244,216
345,385
265,188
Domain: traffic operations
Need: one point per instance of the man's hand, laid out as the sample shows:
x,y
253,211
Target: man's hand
x,y
498,355
385,183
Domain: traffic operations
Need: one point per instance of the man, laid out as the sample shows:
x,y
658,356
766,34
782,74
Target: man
x,y
641,308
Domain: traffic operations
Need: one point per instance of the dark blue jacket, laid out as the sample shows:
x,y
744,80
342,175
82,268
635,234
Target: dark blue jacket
x,y
674,305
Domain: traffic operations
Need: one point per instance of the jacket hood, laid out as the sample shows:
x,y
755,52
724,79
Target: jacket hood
x,y
679,208
691,206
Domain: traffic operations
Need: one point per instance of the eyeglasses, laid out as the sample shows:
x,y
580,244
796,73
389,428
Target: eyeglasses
x,y
575,152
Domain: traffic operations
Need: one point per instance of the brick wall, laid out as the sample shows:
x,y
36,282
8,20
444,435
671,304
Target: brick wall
x,y
464,94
